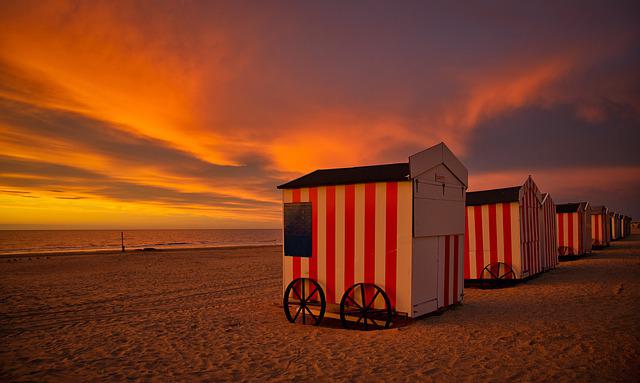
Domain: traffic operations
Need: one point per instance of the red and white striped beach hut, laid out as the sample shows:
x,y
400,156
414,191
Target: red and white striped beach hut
x,y
623,226
615,226
574,229
375,241
620,232
600,232
507,233
548,238
612,225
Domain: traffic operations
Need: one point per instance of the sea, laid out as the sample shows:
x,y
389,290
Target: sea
x,y
63,241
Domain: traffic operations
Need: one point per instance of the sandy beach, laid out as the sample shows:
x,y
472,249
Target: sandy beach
x,y
212,315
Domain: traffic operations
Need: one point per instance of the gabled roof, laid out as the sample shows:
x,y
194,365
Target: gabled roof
x,y
485,197
418,163
600,209
438,154
544,197
355,175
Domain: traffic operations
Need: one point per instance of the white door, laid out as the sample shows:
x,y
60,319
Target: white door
x,y
425,275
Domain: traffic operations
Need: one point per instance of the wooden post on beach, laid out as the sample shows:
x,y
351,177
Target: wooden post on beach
x,y
122,240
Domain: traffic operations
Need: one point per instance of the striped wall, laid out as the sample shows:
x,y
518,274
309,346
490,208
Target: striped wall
x,y
598,230
548,243
492,234
361,233
519,234
574,232
569,233
451,272
530,227
586,230
607,228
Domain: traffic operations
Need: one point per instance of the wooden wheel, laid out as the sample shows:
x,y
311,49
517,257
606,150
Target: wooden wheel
x,y
365,306
304,298
495,274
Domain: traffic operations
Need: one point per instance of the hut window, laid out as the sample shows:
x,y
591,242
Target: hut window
x,y
297,229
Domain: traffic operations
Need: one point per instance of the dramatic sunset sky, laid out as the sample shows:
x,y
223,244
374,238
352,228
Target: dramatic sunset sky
x,y
180,114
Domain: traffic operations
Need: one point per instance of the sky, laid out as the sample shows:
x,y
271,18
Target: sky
x,y
188,114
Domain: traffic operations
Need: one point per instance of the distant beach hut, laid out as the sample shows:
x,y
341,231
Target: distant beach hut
x,y
548,229
627,226
623,226
509,233
600,231
611,217
619,227
615,227
574,229
371,242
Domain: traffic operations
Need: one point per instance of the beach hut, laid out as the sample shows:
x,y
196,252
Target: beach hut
x,y
615,226
372,242
600,232
627,226
621,225
612,225
548,238
624,223
505,233
574,229
620,232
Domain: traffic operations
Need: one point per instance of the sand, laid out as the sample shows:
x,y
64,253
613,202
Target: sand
x,y
213,315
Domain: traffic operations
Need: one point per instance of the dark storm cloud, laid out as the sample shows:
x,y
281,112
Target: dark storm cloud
x,y
542,138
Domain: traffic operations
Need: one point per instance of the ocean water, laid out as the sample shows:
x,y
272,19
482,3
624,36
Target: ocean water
x,y
55,241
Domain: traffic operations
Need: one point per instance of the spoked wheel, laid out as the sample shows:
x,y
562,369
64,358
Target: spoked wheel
x,y
496,274
304,302
565,250
365,306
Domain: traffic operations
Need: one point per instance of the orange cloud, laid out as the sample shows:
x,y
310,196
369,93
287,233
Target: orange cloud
x,y
130,102
108,68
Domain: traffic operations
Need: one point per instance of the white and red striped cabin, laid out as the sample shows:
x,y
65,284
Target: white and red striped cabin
x,y
612,226
623,222
600,232
507,226
548,238
619,231
574,229
398,226
615,226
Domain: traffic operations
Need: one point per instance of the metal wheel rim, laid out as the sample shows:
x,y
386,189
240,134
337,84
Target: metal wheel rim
x,y
496,276
361,307
304,300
